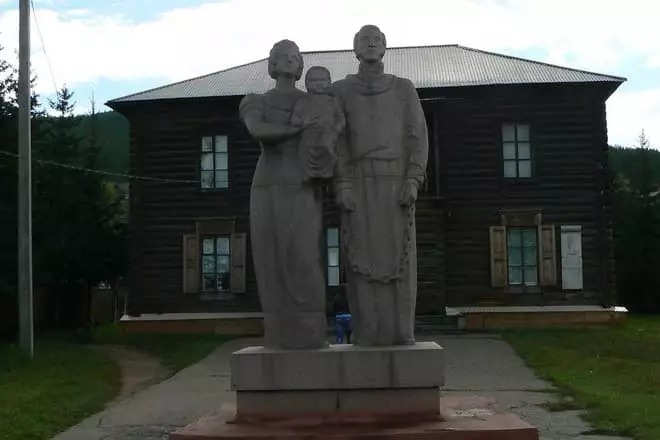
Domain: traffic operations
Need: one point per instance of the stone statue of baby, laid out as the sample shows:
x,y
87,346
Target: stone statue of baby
x,y
318,142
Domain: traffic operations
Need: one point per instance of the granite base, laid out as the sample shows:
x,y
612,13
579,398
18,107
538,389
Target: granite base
x,y
338,367
396,401
461,418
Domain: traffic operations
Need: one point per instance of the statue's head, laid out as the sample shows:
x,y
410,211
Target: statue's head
x,y
317,79
285,60
369,44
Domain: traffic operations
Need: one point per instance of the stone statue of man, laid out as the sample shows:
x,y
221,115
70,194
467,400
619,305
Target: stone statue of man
x,y
381,162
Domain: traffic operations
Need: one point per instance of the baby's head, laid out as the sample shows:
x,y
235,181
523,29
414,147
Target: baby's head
x,y
317,79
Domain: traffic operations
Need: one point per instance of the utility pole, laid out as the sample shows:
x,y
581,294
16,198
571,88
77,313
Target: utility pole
x,y
26,312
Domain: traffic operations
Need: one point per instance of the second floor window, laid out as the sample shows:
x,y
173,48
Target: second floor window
x,y
214,166
516,151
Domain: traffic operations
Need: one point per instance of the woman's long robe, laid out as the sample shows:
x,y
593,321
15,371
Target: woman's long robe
x,y
286,234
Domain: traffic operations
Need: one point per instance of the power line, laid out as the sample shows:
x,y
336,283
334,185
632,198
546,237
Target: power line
x,y
43,46
101,172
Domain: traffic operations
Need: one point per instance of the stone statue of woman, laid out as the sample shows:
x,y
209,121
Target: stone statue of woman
x,y
285,216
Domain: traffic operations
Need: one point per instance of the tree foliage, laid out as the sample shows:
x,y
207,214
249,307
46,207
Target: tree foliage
x,y
78,217
636,224
8,140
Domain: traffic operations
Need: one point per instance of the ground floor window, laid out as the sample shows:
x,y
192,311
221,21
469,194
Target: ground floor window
x,y
216,264
332,244
522,250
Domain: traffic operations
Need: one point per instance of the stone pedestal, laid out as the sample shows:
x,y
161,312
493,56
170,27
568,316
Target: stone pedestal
x,y
348,392
338,379
460,418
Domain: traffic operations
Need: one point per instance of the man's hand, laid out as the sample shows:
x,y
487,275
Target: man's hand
x,y
408,194
345,200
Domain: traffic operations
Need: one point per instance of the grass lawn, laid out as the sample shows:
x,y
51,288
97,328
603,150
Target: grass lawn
x,y
68,381
63,384
613,372
175,350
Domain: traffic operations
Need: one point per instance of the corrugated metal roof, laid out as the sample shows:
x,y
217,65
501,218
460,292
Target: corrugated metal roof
x,y
425,66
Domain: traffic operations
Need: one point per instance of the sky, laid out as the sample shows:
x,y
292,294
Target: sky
x,y
111,48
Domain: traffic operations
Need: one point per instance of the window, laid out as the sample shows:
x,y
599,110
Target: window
x,y
516,151
522,251
522,256
214,259
332,240
216,263
214,169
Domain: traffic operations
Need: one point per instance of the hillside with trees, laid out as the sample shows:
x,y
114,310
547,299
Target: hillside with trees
x,y
112,134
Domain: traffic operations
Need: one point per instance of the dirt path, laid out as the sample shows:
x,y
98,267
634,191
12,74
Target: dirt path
x,y
138,370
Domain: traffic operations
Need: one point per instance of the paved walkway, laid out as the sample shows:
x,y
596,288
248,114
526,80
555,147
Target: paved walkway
x,y
474,364
138,370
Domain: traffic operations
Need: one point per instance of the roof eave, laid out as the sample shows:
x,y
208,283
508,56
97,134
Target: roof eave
x,y
611,85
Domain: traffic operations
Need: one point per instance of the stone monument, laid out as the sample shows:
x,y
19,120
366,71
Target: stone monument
x,y
279,377
381,164
297,385
285,215
318,143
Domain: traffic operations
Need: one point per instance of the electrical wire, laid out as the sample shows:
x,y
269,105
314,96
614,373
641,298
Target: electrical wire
x,y
100,172
43,45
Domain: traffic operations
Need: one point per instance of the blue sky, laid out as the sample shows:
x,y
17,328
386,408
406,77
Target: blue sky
x,y
111,48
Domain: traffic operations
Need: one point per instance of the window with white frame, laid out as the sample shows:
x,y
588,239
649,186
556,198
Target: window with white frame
x,y
332,244
214,166
516,151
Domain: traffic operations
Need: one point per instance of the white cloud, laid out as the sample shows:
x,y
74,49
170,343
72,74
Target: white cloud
x,y
186,42
78,12
629,113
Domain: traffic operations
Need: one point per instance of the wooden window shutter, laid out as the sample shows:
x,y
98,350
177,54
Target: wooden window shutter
x,y
571,257
498,262
547,255
191,275
238,257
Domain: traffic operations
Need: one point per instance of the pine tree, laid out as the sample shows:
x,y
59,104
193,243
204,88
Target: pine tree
x,y
8,183
649,230
74,217
637,236
8,187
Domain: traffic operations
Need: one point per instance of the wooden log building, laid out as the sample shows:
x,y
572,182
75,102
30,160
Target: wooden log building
x,y
515,211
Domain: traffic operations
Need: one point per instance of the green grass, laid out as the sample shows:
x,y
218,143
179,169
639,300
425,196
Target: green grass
x,y
68,381
613,372
63,384
176,351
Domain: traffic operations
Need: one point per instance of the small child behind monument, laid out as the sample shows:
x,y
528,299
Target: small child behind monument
x,y
318,142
